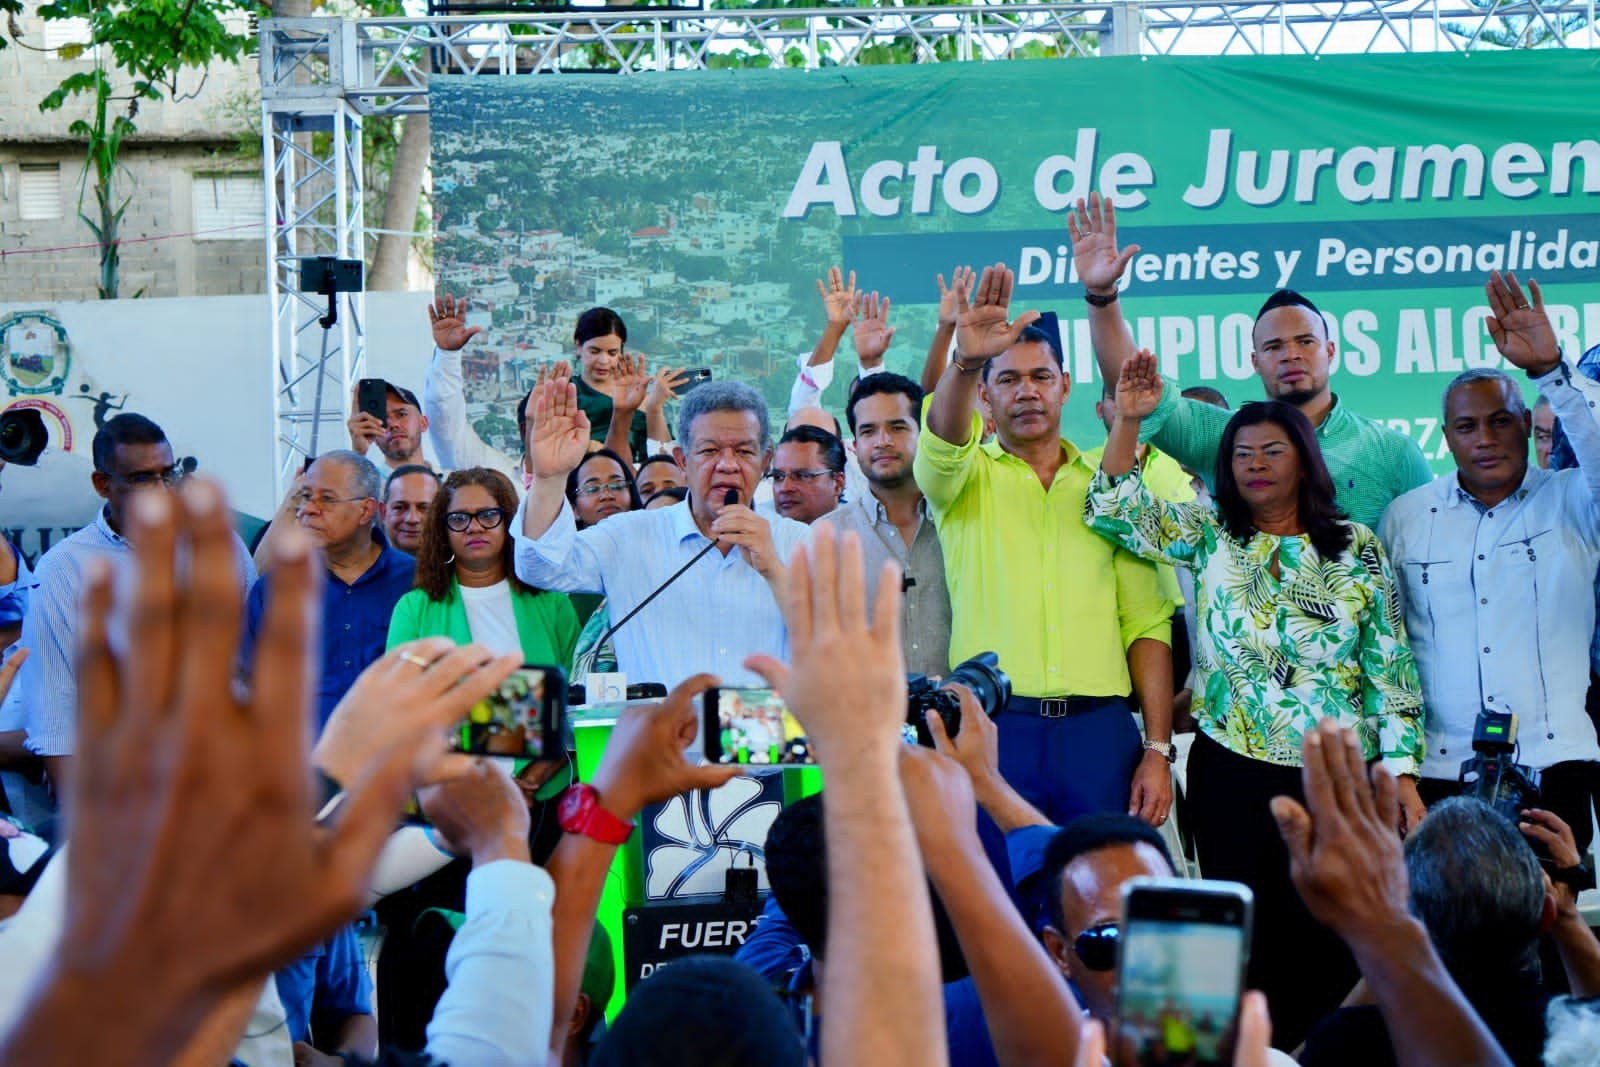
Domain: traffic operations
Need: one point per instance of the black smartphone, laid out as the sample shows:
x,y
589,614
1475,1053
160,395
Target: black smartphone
x,y
372,398
1180,970
697,376
525,718
755,727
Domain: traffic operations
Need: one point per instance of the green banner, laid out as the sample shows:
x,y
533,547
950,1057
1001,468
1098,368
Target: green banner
x,y
703,207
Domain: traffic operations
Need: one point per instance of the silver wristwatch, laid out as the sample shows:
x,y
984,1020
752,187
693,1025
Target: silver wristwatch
x,y
1165,748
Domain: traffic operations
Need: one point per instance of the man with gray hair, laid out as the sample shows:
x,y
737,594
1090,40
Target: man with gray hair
x,y
1478,890
720,609
1495,563
338,504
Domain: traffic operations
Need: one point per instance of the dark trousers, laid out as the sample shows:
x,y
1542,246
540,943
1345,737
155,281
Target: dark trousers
x,y
1302,966
1065,767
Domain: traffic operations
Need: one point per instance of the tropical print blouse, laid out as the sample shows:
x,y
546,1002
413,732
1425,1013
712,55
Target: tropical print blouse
x,y
1275,655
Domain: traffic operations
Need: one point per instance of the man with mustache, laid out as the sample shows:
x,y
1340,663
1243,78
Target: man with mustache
x,y
1079,624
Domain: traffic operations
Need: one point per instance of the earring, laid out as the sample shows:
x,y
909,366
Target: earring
x,y
451,560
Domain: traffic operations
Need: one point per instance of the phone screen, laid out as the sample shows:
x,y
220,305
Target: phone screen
x,y
1180,975
525,717
753,726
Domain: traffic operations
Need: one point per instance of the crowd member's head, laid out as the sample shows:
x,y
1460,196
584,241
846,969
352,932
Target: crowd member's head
x,y
466,535
1105,409
704,1011
1486,425
665,498
1087,862
1206,395
338,501
404,424
1544,430
130,453
807,473
599,338
821,418
656,473
1477,887
600,487
1026,387
1293,353
885,416
724,442
406,496
1269,466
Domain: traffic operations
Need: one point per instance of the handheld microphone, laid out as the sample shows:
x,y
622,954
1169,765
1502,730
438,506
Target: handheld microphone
x,y
729,498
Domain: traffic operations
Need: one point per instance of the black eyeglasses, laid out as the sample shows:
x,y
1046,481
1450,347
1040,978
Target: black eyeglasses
x,y
169,477
488,519
1097,946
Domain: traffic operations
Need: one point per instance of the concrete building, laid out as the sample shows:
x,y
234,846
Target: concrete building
x,y
192,175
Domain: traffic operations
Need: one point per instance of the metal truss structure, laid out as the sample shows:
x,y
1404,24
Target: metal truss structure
x,y
320,76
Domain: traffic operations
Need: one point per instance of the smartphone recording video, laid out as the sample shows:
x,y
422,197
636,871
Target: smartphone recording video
x,y
1181,962
755,727
526,717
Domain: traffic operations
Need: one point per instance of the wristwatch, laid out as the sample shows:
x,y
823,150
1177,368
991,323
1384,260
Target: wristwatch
x,y
1164,748
579,812
1100,300
1579,877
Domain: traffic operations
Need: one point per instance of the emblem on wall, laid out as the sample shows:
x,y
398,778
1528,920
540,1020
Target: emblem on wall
x,y
35,354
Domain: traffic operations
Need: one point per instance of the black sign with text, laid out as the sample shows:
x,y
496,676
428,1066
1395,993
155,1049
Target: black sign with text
x,y
655,934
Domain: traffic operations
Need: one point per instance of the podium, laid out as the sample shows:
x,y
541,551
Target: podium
x,y
678,858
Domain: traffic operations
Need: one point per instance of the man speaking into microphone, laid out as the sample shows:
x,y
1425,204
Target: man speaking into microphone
x,y
707,616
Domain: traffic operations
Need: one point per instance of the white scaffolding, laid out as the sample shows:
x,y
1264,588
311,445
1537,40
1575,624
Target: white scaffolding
x,y
320,76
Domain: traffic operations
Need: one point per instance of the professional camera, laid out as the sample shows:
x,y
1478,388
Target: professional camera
x,y
1492,775
981,674
22,436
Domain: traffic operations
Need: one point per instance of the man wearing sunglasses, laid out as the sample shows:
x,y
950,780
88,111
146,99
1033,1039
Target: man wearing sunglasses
x,y
338,504
131,456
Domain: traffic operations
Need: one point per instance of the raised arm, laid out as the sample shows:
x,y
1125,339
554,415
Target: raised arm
x,y
444,400
1100,263
933,367
871,333
558,439
984,330
1346,862
1031,1014
1575,942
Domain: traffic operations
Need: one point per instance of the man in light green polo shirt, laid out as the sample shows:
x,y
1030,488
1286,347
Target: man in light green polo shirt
x,y
1371,464
1079,625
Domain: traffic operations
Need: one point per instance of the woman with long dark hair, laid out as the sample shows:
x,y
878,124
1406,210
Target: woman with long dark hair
x,y
611,379
467,586
1297,621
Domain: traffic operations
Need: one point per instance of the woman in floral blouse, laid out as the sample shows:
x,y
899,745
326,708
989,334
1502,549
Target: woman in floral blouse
x,y
1297,621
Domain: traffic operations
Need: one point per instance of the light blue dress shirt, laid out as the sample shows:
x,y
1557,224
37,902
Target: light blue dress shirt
x,y
720,611
497,1008
1499,601
49,679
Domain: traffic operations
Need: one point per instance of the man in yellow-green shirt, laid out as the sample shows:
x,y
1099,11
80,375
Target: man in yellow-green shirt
x,y
1079,625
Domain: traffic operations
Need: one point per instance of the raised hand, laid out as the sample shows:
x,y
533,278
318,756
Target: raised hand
x,y
558,430
839,298
1344,851
632,381
644,761
449,318
195,798
481,813
846,679
559,371
1521,331
664,387
983,327
943,811
1093,226
961,280
1140,387
872,331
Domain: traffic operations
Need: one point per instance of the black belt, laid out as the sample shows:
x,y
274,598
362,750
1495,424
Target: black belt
x,y
1054,707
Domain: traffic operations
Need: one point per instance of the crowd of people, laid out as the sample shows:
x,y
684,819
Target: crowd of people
x,y
208,745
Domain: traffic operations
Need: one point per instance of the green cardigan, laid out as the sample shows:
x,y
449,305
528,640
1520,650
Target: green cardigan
x,y
547,625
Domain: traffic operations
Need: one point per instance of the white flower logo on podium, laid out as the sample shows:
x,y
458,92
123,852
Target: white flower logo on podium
x,y
691,841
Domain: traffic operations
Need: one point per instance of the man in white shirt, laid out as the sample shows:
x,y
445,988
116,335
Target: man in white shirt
x,y
1496,562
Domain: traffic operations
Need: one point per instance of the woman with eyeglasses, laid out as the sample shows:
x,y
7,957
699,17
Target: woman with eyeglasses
x,y
467,588
598,488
